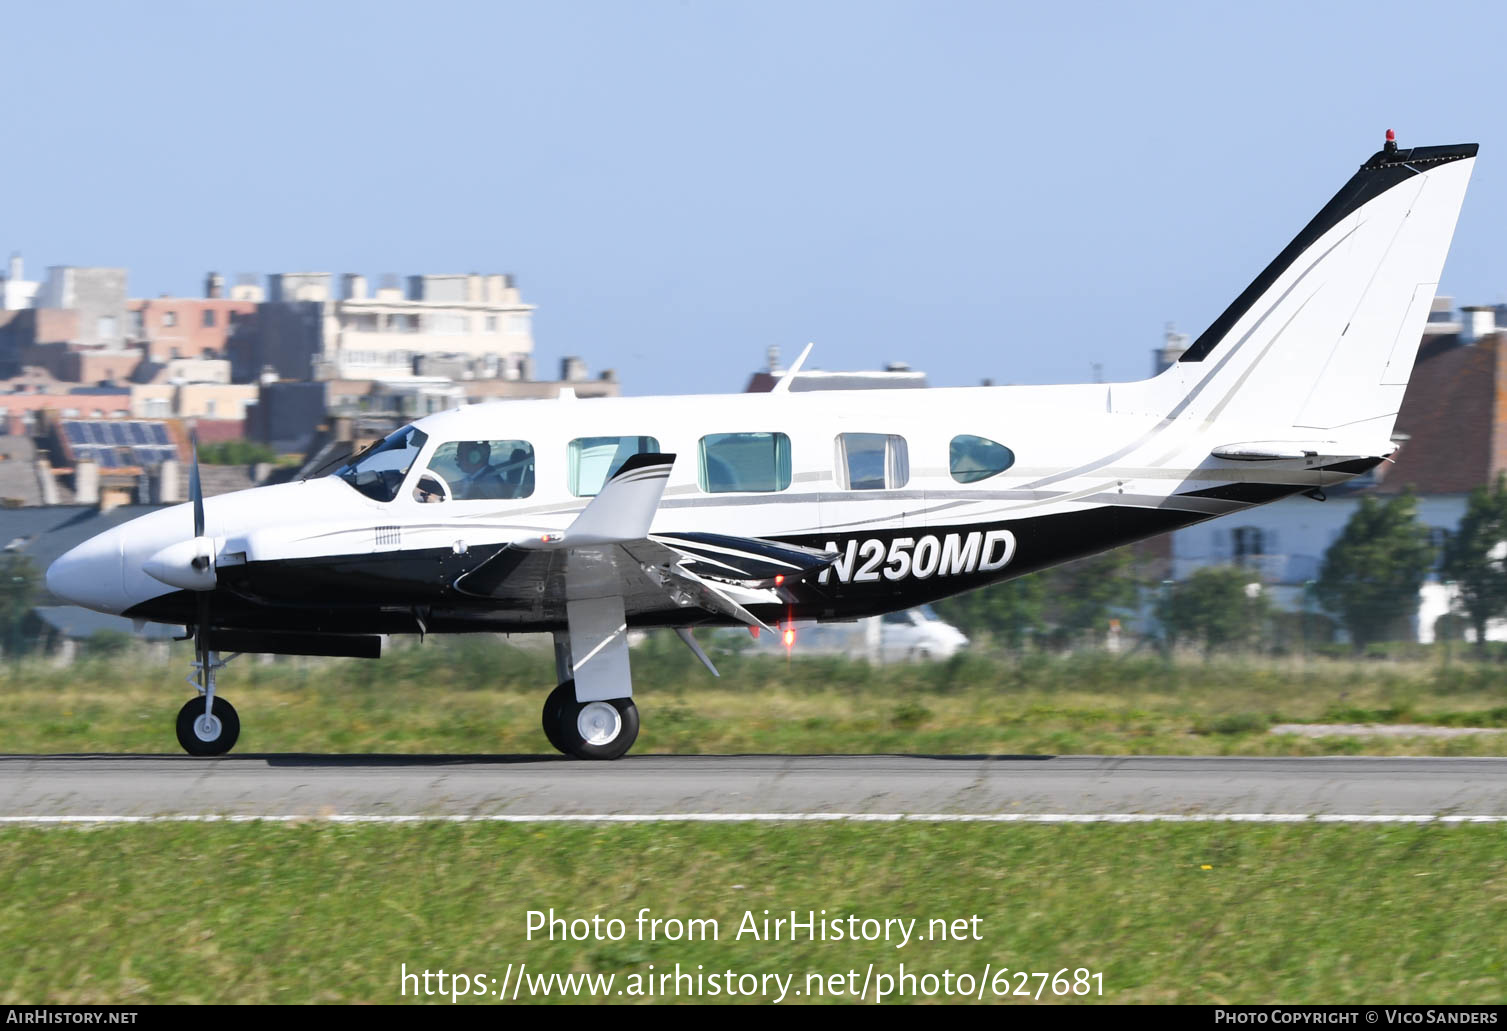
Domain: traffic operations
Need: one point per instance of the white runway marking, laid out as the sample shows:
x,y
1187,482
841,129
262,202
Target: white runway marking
x,y
1051,818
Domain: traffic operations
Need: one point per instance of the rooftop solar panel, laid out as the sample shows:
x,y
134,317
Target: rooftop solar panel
x,y
74,432
159,433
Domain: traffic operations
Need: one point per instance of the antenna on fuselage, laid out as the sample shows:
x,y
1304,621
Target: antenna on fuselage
x,y
782,385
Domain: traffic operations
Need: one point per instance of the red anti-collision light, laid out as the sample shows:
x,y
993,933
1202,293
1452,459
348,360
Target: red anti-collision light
x,y
779,578
1391,136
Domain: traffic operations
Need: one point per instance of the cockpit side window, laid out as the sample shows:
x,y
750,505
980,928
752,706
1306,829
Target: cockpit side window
x,y
478,470
379,471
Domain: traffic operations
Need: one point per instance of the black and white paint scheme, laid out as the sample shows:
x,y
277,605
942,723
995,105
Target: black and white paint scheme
x,y
584,519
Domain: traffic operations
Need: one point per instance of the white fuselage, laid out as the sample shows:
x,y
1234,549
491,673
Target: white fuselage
x,y
1076,448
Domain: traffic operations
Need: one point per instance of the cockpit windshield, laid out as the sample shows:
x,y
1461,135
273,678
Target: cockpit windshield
x,y
378,471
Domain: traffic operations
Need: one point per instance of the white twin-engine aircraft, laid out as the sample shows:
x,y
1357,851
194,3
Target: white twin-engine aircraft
x,y
586,518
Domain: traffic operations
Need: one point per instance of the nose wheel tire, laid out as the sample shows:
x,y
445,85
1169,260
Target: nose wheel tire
x,y
214,733
590,730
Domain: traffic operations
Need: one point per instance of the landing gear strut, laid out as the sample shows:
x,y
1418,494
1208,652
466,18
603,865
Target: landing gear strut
x,y
207,725
603,729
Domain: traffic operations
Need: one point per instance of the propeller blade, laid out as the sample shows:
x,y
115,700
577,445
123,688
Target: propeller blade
x,y
195,492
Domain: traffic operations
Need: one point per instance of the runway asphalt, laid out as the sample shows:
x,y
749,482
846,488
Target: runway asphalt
x,y
69,787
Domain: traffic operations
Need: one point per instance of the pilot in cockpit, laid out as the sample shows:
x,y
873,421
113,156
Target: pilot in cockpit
x,y
472,470
481,478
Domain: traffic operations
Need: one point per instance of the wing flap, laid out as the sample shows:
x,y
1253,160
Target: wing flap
x,y
1314,452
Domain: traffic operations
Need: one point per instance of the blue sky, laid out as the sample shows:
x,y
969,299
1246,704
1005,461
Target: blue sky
x,y
981,189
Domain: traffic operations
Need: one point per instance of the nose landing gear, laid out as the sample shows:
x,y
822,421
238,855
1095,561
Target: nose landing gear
x,y
208,725
208,733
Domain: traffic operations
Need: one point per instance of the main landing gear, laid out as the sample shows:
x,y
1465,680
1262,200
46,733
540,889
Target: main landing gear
x,y
601,728
589,730
207,725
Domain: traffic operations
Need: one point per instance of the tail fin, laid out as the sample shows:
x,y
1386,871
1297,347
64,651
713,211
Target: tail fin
x,y
1323,341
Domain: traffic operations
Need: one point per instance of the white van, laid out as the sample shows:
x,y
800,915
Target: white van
x,y
913,635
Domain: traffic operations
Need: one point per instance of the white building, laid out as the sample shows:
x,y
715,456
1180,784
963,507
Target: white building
x,y
479,320
16,291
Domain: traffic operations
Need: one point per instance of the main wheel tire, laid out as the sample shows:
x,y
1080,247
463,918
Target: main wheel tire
x,y
599,730
213,736
554,714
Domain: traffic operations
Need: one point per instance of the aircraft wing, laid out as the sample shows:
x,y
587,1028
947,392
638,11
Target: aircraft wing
x,y
608,552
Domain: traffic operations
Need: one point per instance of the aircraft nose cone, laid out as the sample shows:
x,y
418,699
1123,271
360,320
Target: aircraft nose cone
x,y
90,575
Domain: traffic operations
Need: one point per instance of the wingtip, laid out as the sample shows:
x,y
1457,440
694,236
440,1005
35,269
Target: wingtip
x,y
644,460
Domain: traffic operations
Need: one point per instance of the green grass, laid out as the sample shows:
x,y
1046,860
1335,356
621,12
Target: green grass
x,y
476,695
1168,913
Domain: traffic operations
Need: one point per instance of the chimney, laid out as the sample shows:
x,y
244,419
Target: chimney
x,y
15,267
168,492
214,286
1479,321
46,481
572,369
355,287
1173,346
86,482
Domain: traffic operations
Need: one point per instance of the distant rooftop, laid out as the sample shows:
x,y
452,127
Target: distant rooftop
x,y
893,376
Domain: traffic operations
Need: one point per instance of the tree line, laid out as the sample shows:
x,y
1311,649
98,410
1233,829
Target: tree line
x,y
1368,585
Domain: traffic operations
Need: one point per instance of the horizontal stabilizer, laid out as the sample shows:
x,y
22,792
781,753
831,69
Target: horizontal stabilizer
x,y
1316,452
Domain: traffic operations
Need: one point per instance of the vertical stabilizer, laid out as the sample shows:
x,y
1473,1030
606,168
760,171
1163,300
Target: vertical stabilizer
x,y
1322,342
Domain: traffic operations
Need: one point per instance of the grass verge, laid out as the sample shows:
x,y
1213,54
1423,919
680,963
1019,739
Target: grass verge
x,y
1168,913
477,695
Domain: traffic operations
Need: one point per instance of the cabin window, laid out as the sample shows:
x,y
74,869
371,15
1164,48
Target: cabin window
x,y
478,470
732,462
871,461
594,460
378,472
977,458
